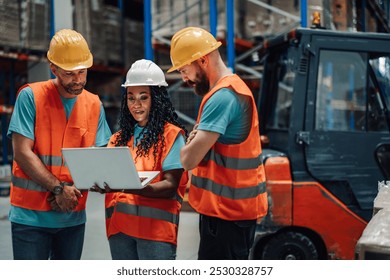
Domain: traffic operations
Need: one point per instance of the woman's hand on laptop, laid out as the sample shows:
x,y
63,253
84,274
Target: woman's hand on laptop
x,y
97,188
107,189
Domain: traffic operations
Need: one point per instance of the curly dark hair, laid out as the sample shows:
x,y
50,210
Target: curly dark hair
x,y
161,112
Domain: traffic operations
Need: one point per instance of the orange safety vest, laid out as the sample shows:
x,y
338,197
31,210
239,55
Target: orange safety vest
x,y
53,132
229,183
143,217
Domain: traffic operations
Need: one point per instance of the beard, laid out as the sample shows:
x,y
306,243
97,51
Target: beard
x,y
201,83
73,88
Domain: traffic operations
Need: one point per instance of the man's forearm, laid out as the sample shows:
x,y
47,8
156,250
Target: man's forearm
x,y
36,170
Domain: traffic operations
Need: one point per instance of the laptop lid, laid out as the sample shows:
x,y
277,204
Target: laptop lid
x,y
113,165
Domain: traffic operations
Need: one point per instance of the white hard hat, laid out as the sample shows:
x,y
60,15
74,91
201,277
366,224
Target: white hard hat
x,y
144,72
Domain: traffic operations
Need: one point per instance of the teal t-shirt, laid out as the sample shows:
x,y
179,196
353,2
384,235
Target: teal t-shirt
x,y
228,114
23,122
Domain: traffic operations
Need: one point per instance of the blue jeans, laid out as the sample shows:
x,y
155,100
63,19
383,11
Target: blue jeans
x,y
40,243
124,247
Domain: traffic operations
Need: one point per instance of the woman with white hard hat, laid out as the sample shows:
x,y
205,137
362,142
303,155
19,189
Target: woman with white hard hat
x,y
143,224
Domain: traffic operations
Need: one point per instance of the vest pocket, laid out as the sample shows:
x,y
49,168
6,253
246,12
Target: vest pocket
x,y
79,137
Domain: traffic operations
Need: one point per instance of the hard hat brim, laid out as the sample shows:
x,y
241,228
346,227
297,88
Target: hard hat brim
x,y
194,58
72,66
143,84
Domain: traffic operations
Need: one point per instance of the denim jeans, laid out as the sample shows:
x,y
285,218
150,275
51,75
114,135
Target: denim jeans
x,y
124,247
40,243
225,240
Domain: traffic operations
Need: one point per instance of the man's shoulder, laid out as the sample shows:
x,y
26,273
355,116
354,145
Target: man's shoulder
x,y
25,90
222,97
25,96
223,94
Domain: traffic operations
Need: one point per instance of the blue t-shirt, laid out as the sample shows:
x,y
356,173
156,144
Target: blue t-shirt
x,y
172,160
23,122
228,114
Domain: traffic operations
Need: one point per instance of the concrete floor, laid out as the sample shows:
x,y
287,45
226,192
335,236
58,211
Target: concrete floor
x,y
96,244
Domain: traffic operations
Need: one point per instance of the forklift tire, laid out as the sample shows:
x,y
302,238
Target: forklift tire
x,y
290,245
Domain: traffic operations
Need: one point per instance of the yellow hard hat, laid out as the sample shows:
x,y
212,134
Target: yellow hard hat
x,y
69,51
190,44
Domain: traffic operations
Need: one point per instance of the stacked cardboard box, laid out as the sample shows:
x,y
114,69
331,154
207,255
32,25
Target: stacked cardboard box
x,y
101,26
88,20
134,41
169,16
35,24
10,23
112,19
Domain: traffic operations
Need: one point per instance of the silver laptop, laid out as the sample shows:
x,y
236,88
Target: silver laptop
x,y
113,165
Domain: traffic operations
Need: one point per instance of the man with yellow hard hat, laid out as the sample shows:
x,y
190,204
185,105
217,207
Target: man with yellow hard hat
x,y
223,151
47,211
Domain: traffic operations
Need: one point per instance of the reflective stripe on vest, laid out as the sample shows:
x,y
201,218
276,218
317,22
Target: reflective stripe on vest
x,y
226,191
233,163
51,160
144,211
27,184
